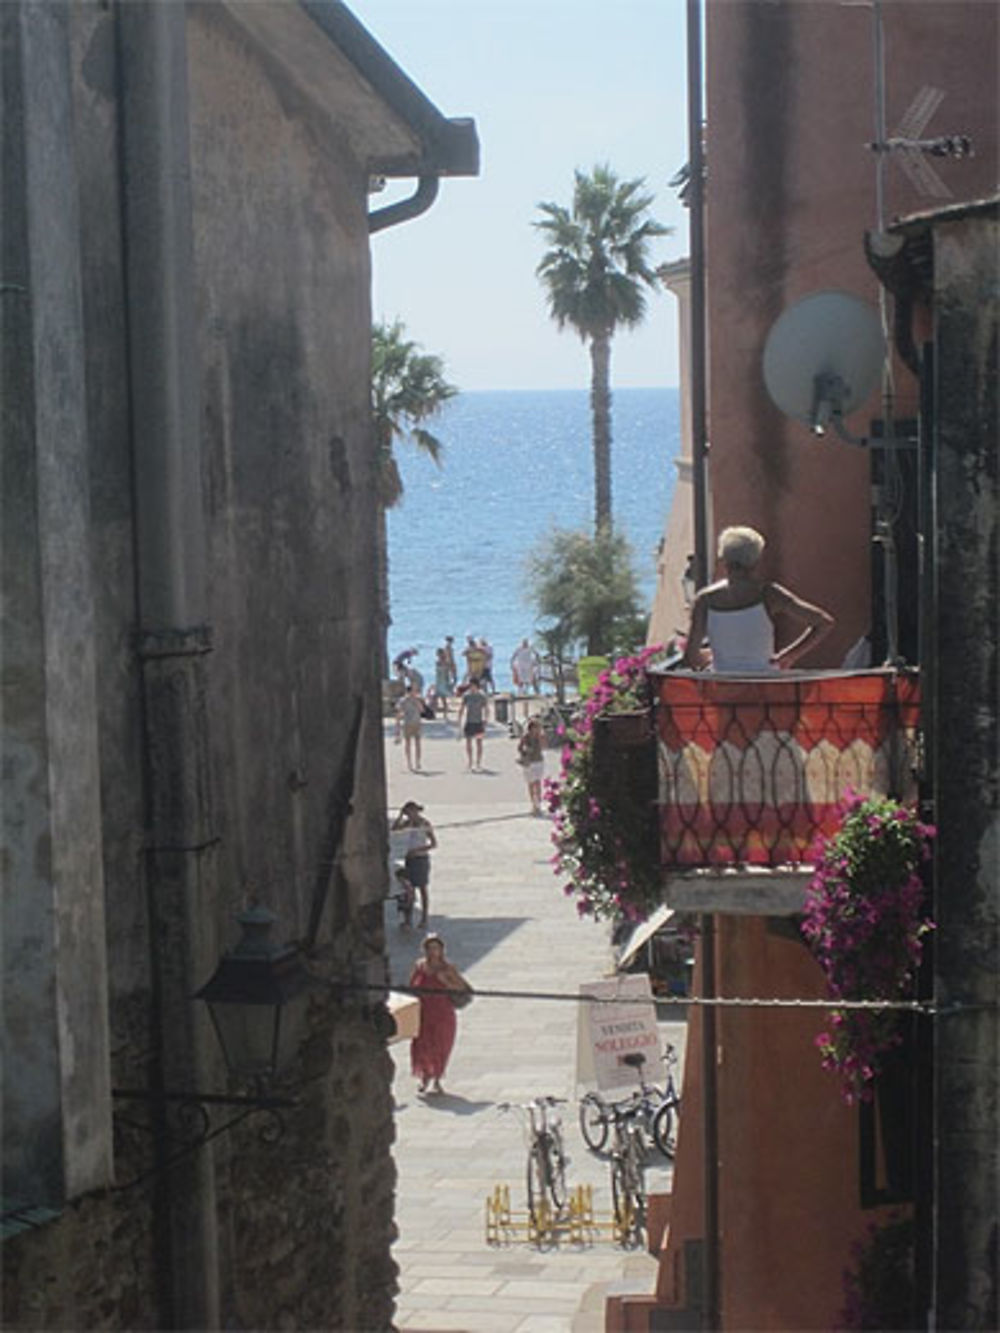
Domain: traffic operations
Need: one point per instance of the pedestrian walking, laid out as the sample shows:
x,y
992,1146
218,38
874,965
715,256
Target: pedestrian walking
x,y
442,681
525,666
433,976
449,654
473,710
409,715
531,757
475,660
417,857
486,675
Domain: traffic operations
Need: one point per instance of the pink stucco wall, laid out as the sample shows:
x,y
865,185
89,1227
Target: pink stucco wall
x,y
790,194
791,191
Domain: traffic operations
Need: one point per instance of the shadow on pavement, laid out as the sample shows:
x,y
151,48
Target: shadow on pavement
x,y
450,1101
467,939
486,819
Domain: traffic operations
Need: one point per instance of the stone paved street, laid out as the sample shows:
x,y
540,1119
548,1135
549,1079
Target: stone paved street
x,y
507,926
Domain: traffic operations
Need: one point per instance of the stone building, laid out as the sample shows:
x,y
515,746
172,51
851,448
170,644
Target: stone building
x,y
191,713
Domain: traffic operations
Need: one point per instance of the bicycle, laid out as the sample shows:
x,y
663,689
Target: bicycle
x,y
669,1110
628,1183
655,1109
546,1166
404,898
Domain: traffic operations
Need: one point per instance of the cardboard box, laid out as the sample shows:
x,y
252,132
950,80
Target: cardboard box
x,y
405,1010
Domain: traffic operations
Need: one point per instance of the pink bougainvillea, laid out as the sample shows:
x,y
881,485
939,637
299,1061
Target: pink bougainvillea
x,y
602,845
864,923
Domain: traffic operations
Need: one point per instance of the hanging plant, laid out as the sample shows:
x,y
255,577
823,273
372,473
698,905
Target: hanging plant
x,y
605,839
879,1287
864,924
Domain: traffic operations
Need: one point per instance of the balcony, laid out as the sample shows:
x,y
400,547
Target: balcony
x,y
752,769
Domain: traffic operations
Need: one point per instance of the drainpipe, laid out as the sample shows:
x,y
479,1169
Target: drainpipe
x,y
711,1307
173,637
696,225
418,202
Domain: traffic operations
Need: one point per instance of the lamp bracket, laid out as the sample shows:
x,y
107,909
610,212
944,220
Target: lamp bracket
x,y
190,1121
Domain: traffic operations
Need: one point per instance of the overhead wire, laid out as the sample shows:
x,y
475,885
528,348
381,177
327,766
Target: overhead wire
x,y
687,1001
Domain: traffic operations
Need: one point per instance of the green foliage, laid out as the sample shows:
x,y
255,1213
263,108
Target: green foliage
x,y
586,587
599,262
408,387
604,842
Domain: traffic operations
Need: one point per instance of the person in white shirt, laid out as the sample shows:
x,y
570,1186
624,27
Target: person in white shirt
x,y
737,614
524,667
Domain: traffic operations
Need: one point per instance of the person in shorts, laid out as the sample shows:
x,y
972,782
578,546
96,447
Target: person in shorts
x,y
409,712
420,844
532,760
472,713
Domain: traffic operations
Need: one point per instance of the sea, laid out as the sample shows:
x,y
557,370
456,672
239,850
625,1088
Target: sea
x,y
515,465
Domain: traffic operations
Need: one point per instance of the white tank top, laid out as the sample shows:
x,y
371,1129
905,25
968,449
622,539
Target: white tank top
x,y
743,640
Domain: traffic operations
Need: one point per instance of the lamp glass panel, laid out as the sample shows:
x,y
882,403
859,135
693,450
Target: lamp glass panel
x,y
247,1033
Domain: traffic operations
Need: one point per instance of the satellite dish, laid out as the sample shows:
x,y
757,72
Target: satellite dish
x,y
823,357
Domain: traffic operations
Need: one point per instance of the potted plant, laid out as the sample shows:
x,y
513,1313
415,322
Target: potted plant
x,y
864,924
605,834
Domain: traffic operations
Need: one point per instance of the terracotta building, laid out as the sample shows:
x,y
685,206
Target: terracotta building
x,y
792,191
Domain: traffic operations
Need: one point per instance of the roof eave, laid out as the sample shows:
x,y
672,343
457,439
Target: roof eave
x,y
450,147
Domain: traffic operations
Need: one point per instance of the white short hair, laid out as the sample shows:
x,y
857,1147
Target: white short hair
x,y
742,547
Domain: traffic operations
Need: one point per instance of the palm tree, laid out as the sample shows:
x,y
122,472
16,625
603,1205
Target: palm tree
x,y
595,274
408,387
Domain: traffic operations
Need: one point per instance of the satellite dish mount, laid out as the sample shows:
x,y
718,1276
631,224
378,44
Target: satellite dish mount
x,y
823,359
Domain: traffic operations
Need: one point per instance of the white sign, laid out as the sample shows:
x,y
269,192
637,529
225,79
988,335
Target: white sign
x,y
620,1020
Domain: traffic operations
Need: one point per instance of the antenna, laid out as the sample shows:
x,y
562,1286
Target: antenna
x,y
822,360
906,146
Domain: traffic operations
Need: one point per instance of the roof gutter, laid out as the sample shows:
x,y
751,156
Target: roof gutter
x,y
405,209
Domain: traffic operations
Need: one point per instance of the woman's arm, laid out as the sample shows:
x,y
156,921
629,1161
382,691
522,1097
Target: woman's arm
x,y
692,658
818,623
427,829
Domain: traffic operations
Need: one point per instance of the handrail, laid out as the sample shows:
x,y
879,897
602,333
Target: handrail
x,y
753,769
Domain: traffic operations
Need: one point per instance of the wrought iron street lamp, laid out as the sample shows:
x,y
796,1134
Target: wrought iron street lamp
x,y
257,999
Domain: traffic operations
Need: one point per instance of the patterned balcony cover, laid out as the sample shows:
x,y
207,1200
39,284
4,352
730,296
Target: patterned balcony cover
x,y
752,769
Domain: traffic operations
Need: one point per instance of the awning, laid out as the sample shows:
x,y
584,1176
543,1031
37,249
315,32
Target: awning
x,y
643,933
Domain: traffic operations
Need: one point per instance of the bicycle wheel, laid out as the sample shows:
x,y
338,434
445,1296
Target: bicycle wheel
x,y
635,1186
594,1121
622,1201
664,1133
619,1194
406,909
536,1184
556,1164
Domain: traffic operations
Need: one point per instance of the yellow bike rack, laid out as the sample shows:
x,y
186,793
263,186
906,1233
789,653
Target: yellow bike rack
x,y
575,1222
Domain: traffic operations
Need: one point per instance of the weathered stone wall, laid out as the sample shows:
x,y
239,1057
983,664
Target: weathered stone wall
x,y
281,282
56,1121
967,767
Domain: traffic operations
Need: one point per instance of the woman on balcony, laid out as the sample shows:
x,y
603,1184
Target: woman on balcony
x,y
737,614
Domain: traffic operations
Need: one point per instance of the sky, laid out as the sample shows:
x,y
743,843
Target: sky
x,y
552,85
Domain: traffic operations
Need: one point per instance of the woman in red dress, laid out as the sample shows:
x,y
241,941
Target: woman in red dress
x,y
433,976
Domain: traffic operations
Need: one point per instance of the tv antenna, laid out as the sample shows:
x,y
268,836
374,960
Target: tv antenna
x,y
910,151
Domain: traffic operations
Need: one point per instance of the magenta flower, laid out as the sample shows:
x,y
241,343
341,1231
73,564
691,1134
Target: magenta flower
x,y
863,924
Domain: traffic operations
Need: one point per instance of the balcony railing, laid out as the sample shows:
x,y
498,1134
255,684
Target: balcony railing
x,y
752,769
